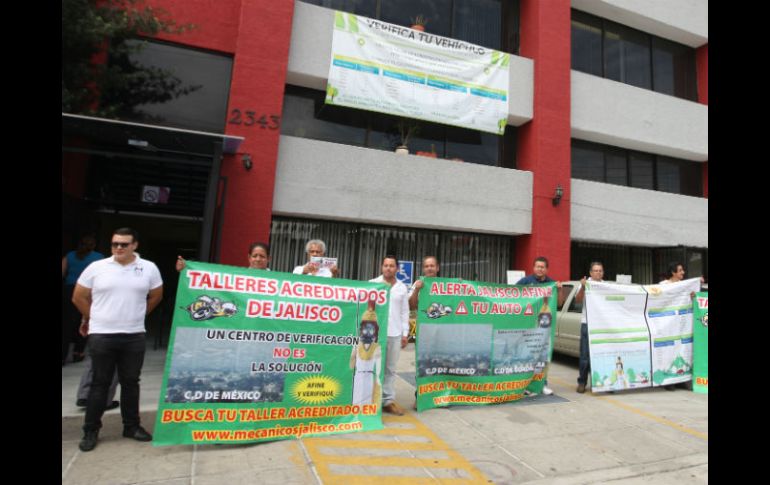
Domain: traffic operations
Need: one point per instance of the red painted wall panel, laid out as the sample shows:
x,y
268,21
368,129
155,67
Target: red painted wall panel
x,y
259,76
702,66
544,142
216,22
702,62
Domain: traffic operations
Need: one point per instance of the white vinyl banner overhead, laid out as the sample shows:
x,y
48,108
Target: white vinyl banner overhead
x,y
392,69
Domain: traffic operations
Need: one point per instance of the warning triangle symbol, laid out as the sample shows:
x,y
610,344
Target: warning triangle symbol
x,y
461,309
528,310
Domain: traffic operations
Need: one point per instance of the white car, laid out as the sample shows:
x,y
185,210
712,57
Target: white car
x,y
568,321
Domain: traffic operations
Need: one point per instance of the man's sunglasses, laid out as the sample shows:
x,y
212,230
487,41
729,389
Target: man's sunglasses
x,y
120,245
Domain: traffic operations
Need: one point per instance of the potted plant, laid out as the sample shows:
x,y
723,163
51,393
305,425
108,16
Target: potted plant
x,y
419,22
406,129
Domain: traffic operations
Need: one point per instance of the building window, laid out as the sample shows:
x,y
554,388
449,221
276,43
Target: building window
x,y
634,261
359,249
674,70
645,265
587,161
208,73
613,165
627,55
604,48
475,21
587,43
668,175
616,166
680,176
695,261
641,167
366,8
305,115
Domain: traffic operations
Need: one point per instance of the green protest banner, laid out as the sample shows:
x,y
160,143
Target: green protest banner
x,y
258,356
482,343
700,327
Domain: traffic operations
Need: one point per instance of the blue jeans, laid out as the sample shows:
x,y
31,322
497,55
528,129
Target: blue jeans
x,y
584,365
108,351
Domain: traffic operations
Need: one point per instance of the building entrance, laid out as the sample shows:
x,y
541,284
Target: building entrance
x,y
163,182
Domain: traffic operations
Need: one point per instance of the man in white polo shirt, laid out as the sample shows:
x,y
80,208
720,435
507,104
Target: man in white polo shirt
x,y
316,248
114,295
398,331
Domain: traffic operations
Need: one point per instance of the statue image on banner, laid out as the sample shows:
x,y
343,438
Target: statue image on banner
x,y
366,360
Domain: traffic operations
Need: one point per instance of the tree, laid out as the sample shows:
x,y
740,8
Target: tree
x,y
114,88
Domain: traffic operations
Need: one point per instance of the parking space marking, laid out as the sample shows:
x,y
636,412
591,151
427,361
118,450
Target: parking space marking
x,y
346,460
635,410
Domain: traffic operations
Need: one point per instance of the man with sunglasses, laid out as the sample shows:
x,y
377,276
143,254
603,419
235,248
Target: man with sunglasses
x,y
114,295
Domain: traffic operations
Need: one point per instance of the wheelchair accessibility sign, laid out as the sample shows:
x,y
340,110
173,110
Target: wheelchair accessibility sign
x,y
404,273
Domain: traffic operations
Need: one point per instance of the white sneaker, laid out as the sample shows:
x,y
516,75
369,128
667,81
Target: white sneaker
x,y
527,392
547,391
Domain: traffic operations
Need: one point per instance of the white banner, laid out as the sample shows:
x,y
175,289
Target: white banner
x,y
669,314
639,336
392,69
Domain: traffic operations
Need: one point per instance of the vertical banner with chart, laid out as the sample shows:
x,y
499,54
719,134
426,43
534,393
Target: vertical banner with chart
x,y
640,336
618,336
669,315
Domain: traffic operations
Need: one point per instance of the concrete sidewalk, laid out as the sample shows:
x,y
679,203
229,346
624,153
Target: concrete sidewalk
x,y
650,436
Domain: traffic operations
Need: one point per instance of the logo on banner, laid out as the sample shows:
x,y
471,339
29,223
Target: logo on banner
x,y
206,308
436,310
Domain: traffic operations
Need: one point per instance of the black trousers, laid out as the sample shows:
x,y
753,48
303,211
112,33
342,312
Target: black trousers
x,y
124,351
584,364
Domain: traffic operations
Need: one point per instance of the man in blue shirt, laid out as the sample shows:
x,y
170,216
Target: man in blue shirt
x,y
539,277
71,266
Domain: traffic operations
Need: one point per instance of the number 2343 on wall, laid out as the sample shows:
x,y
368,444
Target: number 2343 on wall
x,y
250,119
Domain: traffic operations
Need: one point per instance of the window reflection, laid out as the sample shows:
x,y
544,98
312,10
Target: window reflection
x,y
482,22
605,48
208,74
305,115
613,165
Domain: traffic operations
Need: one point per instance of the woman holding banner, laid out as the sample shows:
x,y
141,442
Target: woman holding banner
x,y
259,257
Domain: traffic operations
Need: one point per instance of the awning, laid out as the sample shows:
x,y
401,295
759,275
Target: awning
x,y
123,135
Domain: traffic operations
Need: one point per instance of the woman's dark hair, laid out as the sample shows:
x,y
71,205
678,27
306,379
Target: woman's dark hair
x,y
672,267
262,245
